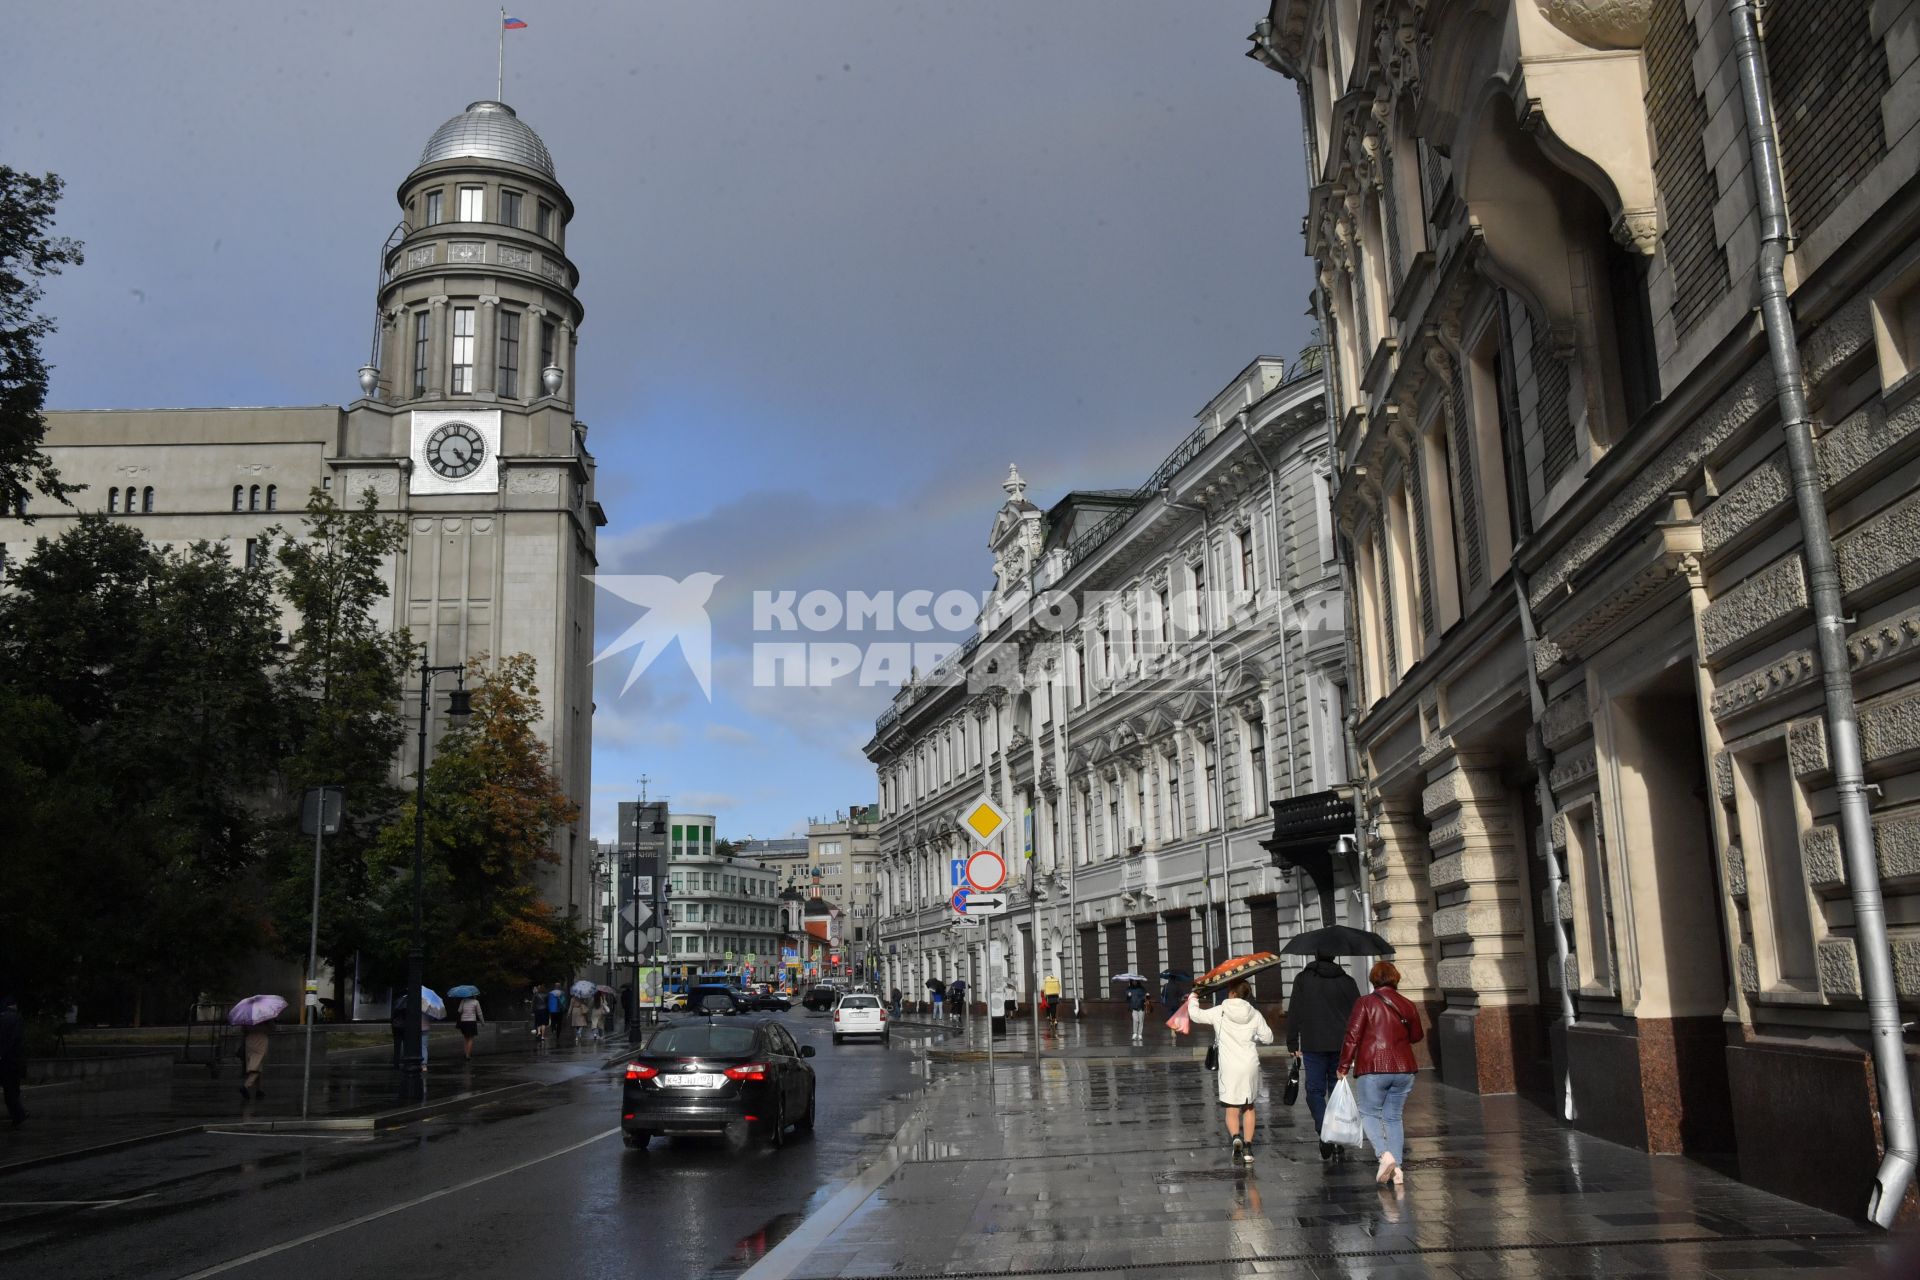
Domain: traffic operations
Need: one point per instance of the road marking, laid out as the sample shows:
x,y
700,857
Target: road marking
x,y
390,1210
58,1204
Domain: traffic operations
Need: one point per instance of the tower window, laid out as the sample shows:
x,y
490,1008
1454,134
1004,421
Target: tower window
x,y
113,502
146,499
256,553
239,497
273,497
463,350
434,212
420,321
510,208
508,382
549,344
131,495
253,498
546,220
472,201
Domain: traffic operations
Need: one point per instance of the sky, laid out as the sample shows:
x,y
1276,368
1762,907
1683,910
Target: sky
x,y
842,262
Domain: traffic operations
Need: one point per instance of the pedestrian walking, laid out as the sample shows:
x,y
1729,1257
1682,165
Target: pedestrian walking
x,y
426,1025
1238,1031
254,1047
537,1012
957,999
896,998
939,990
629,1008
1174,994
1378,1053
556,1014
599,1016
1050,998
13,1058
1137,1008
1317,1013
579,1017
397,1019
468,1018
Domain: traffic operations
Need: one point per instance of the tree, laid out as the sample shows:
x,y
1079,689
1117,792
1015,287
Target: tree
x,y
341,691
27,256
144,725
493,804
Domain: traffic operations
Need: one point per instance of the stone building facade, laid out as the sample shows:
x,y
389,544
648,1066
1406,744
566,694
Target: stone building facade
x,y
1536,232
724,909
465,430
1138,777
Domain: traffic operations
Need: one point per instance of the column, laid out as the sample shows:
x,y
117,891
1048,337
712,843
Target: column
x,y
436,347
486,344
1479,927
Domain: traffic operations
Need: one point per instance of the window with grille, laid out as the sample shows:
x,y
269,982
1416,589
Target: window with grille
x,y
462,382
508,383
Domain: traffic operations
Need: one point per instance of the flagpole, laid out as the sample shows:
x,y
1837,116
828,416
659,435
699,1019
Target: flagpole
x,y
500,87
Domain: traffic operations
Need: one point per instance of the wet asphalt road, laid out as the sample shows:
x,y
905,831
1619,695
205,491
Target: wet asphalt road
x,y
537,1184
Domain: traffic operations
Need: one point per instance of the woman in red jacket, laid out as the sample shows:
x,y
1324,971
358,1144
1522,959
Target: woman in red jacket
x,y
1378,1052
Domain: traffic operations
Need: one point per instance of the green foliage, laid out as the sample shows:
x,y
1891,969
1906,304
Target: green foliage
x,y
493,803
341,687
137,681
27,256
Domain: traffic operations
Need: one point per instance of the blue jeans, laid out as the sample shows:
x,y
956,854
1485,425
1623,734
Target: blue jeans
x,y
1318,1069
1382,1097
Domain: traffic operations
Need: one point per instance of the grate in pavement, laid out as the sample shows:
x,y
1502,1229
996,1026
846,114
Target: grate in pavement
x,y
1343,1255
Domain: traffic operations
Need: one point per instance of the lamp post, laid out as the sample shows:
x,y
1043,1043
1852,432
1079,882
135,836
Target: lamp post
x,y
459,707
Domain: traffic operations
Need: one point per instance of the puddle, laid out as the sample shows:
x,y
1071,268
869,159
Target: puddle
x,y
755,1244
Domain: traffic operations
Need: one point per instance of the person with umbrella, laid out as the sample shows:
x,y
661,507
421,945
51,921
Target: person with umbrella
x,y
556,1012
1323,996
1137,1008
602,1007
580,1009
1238,1031
256,1015
939,990
468,1016
1174,993
957,997
1378,1052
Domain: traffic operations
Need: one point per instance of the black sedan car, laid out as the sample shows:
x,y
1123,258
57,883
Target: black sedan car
x,y
821,997
725,1076
768,1002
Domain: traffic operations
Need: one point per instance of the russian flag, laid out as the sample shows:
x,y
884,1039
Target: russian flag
x,y
512,24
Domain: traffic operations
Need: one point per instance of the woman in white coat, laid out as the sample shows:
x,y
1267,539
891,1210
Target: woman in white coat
x,y
1237,1029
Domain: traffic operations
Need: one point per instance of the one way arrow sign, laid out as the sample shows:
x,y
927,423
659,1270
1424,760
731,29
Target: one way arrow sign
x,y
984,904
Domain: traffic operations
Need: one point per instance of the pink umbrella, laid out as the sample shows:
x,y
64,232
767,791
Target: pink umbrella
x,y
255,1010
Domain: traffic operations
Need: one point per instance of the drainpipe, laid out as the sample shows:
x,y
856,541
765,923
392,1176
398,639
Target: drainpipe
x,y
1836,677
1537,754
1273,576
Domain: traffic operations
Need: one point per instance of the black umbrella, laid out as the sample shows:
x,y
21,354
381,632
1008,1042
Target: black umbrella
x,y
1181,974
934,984
1338,940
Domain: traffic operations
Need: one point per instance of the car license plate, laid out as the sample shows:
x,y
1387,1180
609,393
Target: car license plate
x,y
698,1080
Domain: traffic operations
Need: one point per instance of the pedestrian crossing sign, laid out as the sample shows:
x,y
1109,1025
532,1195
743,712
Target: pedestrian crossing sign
x,y
983,820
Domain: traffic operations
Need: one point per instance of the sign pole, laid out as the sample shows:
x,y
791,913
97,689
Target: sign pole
x,y
313,971
997,997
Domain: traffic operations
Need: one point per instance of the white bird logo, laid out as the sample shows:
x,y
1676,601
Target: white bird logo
x,y
675,610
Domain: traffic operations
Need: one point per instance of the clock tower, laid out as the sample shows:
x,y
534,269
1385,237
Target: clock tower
x,y
466,429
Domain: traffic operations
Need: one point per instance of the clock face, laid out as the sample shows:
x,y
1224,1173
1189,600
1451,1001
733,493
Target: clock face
x,y
455,450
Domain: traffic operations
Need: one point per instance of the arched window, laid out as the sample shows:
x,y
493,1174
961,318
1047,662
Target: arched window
x,y
130,499
253,498
239,497
113,502
273,497
146,499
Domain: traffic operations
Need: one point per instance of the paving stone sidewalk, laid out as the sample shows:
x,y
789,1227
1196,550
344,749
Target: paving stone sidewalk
x,y
1088,1165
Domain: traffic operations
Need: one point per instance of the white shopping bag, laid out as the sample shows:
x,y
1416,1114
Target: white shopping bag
x,y
1342,1124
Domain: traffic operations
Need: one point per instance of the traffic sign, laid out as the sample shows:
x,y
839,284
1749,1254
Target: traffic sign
x,y
636,915
983,820
959,900
957,872
985,904
639,941
986,870
971,922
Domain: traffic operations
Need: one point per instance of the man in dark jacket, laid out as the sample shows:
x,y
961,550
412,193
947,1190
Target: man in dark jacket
x,y
1323,997
13,1058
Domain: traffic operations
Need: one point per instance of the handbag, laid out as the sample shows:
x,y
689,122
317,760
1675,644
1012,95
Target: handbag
x,y
1213,1056
1292,1093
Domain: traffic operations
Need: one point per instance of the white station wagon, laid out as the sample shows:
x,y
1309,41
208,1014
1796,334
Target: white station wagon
x,y
861,1015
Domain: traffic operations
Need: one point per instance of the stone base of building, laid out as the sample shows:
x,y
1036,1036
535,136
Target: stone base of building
x,y
1491,1049
1658,1084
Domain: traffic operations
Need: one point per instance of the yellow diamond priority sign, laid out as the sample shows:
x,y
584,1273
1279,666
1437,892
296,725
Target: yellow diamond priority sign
x,y
983,819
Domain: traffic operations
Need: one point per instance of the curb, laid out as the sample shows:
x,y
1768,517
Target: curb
x,y
98,1149
380,1120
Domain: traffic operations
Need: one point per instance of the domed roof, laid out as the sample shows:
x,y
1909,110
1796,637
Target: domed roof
x,y
491,131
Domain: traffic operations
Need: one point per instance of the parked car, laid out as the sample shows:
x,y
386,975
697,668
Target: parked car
x,y
861,1015
821,997
765,1001
713,1077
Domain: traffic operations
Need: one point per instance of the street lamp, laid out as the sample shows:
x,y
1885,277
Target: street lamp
x,y
459,707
